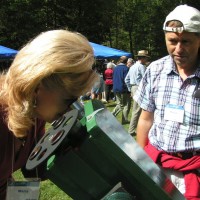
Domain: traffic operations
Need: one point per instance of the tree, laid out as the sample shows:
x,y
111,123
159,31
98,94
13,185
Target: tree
x,y
130,25
20,21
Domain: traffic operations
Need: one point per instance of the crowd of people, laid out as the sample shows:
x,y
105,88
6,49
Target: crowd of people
x,y
117,83
56,68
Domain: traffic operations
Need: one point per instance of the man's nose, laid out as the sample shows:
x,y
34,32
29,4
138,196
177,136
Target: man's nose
x,y
179,47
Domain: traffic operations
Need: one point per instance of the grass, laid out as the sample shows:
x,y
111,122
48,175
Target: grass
x,y
49,191
110,106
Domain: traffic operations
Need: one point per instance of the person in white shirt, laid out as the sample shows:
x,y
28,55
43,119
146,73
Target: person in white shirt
x,y
132,81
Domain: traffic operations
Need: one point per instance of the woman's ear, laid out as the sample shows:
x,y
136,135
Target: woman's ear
x,y
35,96
37,89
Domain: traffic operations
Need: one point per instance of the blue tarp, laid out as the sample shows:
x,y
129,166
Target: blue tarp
x,y
7,53
102,52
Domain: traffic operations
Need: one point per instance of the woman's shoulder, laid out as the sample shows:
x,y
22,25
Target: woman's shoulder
x,y
3,123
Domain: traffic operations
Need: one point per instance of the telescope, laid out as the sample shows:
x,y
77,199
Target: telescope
x,y
90,156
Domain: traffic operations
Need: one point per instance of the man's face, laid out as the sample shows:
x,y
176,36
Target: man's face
x,y
183,47
129,64
144,60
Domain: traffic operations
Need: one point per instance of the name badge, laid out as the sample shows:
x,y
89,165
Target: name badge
x,y
23,190
174,113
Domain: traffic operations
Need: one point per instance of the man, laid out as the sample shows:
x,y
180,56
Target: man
x,y
130,62
169,124
120,89
132,81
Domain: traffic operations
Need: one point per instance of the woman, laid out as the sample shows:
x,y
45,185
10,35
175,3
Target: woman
x,y
108,76
45,78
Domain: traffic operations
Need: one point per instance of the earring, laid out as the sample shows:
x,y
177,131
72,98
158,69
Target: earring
x,y
35,103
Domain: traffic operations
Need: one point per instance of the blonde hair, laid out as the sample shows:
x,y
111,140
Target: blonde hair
x,y
60,59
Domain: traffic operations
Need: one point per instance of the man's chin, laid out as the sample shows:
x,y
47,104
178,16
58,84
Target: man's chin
x,y
180,62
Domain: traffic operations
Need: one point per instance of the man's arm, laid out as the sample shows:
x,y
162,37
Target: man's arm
x,y
144,124
127,81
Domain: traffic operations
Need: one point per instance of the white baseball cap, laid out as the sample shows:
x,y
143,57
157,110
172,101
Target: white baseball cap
x,y
188,16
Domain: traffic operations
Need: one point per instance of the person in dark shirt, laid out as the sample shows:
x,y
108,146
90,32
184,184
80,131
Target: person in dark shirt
x,y
120,89
47,75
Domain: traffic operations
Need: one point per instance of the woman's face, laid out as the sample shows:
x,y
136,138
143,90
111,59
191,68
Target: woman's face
x,y
49,104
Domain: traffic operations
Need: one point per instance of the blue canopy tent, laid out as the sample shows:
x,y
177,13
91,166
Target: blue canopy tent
x,y
100,52
7,53
103,52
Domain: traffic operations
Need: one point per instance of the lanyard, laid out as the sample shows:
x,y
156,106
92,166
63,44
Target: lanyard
x,y
27,189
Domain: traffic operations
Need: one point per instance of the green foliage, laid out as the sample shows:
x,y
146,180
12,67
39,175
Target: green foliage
x,y
129,25
20,21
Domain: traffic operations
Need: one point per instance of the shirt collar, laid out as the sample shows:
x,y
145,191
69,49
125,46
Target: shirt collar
x,y
172,68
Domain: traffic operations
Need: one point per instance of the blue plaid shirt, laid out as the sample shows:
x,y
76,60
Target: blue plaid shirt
x,y
160,86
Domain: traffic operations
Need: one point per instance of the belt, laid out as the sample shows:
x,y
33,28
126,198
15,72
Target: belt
x,y
185,155
133,85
